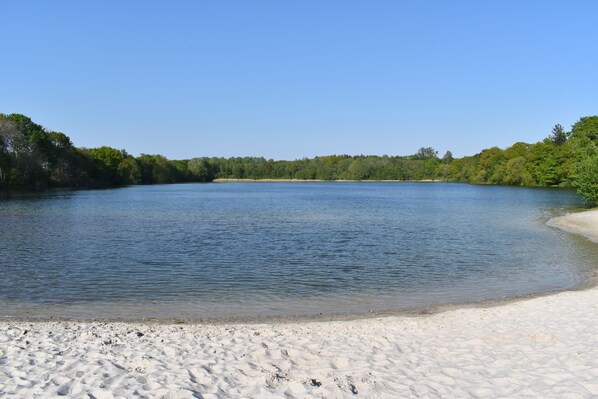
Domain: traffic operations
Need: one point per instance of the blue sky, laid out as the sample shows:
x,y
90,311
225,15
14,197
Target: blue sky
x,y
293,79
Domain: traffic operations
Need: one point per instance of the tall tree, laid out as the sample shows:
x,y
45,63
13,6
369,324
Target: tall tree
x,y
584,137
8,136
426,153
558,135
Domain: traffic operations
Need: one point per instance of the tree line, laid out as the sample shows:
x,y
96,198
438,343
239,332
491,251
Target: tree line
x,y
31,156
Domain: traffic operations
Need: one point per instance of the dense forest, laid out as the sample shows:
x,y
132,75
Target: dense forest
x,y
31,156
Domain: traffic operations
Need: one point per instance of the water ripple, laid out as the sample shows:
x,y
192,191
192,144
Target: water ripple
x,y
267,249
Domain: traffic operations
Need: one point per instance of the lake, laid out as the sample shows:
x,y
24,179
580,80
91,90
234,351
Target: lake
x,y
273,249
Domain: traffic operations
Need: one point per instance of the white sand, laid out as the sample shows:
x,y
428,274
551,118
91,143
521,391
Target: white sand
x,y
583,223
545,347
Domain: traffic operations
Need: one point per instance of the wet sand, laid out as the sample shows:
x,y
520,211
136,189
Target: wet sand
x,y
582,223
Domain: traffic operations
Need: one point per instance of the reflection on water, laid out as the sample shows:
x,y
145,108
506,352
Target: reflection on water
x,y
247,249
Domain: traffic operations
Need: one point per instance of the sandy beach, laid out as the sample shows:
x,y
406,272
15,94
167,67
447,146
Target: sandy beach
x,y
544,347
582,223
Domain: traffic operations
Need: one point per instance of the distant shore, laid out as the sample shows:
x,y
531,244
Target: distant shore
x,y
322,181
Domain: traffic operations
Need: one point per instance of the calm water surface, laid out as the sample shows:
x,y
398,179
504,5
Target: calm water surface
x,y
253,249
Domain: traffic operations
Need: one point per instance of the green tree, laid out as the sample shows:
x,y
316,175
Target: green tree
x,y
29,149
425,153
429,168
155,169
518,149
128,171
8,134
490,168
584,138
113,167
586,179
516,173
200,169
359,169
558,136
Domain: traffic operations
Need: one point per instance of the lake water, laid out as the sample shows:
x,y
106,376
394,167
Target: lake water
x,y
269,249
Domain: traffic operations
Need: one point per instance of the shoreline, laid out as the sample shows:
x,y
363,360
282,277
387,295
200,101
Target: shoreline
x,y
543,347
589,282
539,346
231,180
583,223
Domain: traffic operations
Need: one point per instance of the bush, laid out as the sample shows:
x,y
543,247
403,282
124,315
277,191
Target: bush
x,y
586,179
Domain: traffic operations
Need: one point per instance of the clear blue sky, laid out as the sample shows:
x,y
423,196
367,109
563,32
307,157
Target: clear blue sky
x,y
293,79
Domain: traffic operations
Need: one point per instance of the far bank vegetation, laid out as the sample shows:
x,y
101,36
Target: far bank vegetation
x,y
31,156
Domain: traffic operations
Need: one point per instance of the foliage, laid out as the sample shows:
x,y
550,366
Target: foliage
x,y
30,156
426,153
586,179
584,139
558,135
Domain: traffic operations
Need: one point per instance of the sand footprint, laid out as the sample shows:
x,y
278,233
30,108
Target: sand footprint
x,y
340,362
200,376
100,395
